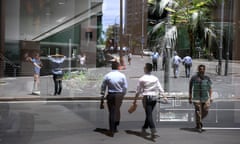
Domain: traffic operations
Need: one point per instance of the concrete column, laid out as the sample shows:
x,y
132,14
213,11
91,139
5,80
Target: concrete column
x,y
236,37
2,35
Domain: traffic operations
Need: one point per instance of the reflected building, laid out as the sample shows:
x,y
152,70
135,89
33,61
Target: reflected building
x,y
136,24
66,27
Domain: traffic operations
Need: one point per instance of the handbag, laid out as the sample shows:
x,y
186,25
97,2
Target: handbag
x,y
132,108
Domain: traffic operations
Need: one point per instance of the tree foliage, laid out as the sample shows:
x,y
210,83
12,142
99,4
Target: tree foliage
x,y
191,13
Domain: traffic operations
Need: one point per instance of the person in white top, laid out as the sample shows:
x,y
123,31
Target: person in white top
x,y
149,87
129,56
187,62
82,58
175,64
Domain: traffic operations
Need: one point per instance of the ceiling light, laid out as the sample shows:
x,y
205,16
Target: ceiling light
x,y
62,2
47,13
61,19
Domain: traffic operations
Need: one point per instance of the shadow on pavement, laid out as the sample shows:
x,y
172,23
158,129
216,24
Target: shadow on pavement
x,y
104,131
191,129
140,134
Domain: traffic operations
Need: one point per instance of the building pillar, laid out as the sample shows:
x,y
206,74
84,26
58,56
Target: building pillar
x,y
2,36
236,37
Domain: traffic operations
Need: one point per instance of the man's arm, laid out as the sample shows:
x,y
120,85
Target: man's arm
x,y
190,92
210,95
103,89
161,91
125,85
138,92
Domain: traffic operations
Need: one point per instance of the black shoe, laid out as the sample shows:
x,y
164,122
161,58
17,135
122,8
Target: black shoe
x,y
144,132
199,128
116,130
110,133
153,133
153,136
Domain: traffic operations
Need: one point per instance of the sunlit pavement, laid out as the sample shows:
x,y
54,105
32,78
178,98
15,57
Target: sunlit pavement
x,y
74,117
224,87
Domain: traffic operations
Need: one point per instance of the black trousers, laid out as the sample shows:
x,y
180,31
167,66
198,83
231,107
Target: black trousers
x,y
155,64
114,102
187,69
57,78
149,103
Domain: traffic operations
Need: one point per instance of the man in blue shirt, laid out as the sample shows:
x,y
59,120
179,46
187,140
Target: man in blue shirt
x,y
155,57
57,72
115,85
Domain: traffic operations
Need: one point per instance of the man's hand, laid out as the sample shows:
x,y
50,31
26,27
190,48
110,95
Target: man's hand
x,y
211,100
190,100
165,99
102,103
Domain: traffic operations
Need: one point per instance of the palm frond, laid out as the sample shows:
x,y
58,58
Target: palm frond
x,y
170,10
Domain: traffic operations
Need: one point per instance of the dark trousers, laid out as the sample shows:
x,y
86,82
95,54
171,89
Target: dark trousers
x,y
163,63
57,78
149,103
155,64
114,102
187,69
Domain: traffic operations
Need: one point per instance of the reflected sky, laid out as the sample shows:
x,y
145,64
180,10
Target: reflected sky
x,y
111,13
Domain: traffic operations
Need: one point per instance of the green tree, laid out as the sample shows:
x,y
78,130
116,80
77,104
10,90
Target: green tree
x,y
191,13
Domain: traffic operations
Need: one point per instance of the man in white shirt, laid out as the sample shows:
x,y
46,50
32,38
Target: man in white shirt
x,y
187,62
175,64
149,87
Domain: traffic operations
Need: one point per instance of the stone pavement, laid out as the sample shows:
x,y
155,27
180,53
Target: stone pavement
x,y
83,122
88,86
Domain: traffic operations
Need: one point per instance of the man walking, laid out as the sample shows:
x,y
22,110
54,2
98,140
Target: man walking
x,y
155,57
149,87
187,62
200,93
175,64
115,83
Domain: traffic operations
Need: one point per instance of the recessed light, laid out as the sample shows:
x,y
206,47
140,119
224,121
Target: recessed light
x,y
61,19
61,3
47,13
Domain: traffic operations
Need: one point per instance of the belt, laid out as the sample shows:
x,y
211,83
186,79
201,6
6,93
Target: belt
x,y
150,96
114,93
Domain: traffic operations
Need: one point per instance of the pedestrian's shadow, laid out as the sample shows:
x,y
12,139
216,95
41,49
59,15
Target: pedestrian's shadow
x,y
103,131
140,134
191,129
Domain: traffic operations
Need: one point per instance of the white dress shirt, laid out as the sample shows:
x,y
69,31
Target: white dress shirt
x,y
149,85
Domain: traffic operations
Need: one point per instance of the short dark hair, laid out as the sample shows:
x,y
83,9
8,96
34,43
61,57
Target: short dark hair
x,y
115,65
201,65
149,67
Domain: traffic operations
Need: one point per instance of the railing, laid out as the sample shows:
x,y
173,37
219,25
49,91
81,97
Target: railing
x,y
12,64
